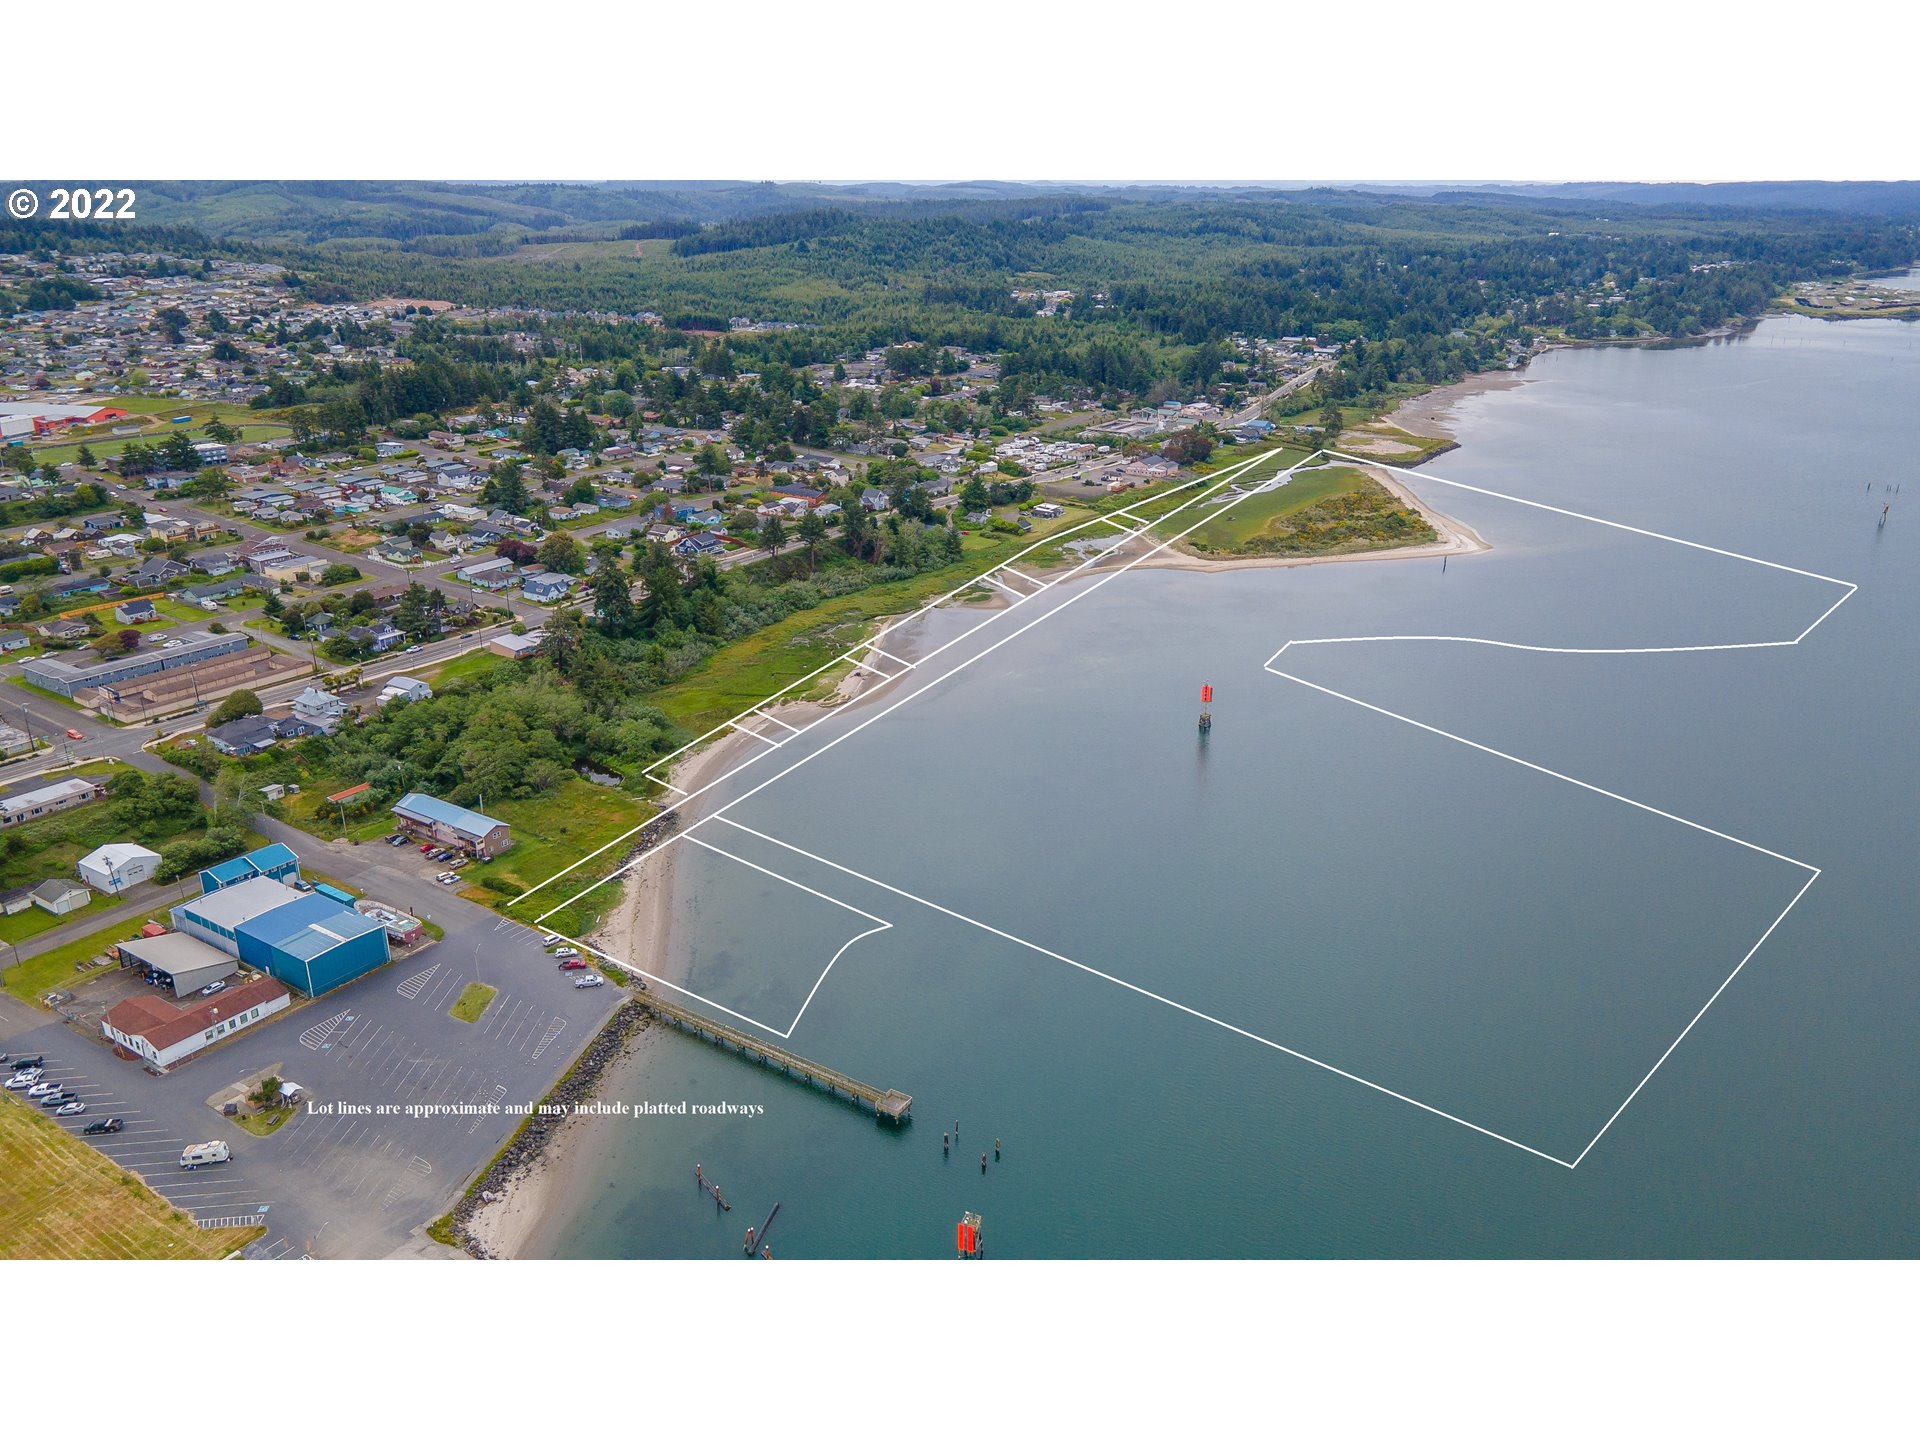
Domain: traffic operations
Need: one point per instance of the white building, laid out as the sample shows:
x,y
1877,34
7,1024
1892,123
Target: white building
x,y
319,709
406,689
48,800
112,868
61,897
166,1034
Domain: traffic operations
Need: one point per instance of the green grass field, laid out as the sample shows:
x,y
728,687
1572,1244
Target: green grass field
x,y
54,970
35,921
461,667
550,832
747,671
1258,516
61,1199
473,1002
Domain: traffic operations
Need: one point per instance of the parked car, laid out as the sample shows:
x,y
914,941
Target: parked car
x,y
565,952
113,1125
576,963
22,1080
457,862
553,940
214,989
301,885
207,1152
449,879
28,1062
72,1107
40,1089
427,849
589,982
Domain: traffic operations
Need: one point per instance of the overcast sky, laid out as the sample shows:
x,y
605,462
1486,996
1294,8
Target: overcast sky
x,y
853,89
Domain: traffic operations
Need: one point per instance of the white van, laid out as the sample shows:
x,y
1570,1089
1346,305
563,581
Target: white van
x,y
208,1152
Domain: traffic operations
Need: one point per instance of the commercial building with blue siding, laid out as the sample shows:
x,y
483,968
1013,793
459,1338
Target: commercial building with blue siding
x,y
314,944
275,862
307,941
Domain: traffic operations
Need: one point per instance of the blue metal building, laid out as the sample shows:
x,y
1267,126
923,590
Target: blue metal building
x,y
307,941
275,862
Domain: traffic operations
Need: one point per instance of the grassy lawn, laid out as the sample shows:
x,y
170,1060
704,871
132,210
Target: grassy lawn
x,y
476,662
49,848
155,414
35,921
32,978
550,832
263,1122
1330,510
473,1002
747,671
62,1200
1257,516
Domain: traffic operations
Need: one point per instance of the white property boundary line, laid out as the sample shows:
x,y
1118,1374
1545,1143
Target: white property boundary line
x,y
1847,588
1813,872
854,655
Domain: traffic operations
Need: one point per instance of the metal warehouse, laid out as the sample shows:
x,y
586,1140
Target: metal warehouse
x,y
275,862
185,962
308,941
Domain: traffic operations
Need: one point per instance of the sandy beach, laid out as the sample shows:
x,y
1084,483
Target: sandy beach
x,y
1432,413
640,927
1456,538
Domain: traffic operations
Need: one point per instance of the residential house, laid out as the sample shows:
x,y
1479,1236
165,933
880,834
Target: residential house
x,y
248,735
378,638
156,573
318,708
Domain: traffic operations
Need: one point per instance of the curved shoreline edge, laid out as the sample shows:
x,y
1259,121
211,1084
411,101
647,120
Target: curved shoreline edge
x,y
513,1207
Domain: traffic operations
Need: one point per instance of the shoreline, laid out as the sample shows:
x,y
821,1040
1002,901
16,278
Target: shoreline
x,y
500,1212
1456,538
513,1220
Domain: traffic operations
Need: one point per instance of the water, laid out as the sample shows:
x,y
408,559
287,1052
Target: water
x,y
1908,281
1477,936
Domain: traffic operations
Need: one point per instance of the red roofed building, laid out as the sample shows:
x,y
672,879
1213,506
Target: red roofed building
x,y
164,1034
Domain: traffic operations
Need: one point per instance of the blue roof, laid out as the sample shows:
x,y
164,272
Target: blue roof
x,y
263,861
271,857
228,871
467,822
308,927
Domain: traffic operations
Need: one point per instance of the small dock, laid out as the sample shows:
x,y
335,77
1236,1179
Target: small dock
x,y
888,1105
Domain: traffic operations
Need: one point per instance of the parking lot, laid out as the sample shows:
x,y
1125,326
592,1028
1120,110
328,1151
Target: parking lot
x,y
350,1173
432,861
152,1138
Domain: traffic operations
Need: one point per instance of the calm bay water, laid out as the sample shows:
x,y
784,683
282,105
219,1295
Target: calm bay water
x,y
1472,934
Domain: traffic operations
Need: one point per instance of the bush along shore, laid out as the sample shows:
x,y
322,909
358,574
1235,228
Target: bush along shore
x,y
526,1151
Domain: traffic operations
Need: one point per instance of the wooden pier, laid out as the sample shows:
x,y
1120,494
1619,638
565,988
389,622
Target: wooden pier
x,y
888,1105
